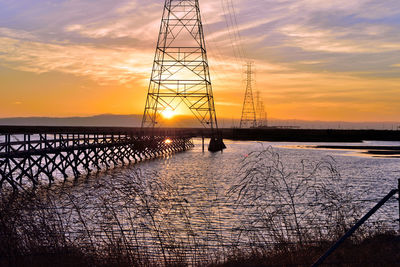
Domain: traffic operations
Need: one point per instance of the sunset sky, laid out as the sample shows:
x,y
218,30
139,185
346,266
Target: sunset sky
x,y
315,59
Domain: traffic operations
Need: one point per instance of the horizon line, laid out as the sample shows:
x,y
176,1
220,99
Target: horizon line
x,y
187,116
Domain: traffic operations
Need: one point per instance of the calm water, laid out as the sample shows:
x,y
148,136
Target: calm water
x,y
184,204
183,201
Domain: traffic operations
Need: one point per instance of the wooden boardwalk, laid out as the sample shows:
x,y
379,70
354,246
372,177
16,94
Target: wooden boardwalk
x,y
30,155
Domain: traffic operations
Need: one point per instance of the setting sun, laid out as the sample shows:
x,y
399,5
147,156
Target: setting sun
x,y
168,113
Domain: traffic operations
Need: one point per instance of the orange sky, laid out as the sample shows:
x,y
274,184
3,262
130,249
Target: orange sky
x,y
314,60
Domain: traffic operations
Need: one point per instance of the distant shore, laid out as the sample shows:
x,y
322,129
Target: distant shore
x,y
310,135
372,150
272,134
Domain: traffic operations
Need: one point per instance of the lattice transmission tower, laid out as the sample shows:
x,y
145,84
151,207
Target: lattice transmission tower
x,y
261,114
180,71
248,119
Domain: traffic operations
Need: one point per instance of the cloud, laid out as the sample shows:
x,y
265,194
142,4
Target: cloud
x,y
14,33
337,41
310,62
227,104
131,20
379,9
104,64
337,5
74,28
249,25
100,64
128,7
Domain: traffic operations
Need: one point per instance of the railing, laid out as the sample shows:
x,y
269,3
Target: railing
x,y
359,223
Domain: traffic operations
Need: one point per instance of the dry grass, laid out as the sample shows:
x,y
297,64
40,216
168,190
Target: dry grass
x,y
290,216
379,250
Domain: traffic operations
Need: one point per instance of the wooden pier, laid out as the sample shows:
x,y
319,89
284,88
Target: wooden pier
x,y
31,155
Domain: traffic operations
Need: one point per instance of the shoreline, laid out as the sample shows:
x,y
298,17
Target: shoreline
x,y
310,135
371,150
252,134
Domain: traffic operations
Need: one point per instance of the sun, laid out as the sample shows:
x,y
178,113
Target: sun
x,y
168,113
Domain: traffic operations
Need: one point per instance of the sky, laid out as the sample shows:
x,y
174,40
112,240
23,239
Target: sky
x,y
335,60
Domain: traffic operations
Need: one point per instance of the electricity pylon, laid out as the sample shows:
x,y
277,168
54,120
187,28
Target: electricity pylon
x,y
261,115
180,70
248,119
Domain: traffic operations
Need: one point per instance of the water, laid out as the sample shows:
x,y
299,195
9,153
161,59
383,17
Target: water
x,y
199,172
184,203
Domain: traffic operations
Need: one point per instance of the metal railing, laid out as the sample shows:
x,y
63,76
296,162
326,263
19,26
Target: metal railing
x,y
358,224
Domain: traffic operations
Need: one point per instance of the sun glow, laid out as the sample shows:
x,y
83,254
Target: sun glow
x,y
168,141
168,113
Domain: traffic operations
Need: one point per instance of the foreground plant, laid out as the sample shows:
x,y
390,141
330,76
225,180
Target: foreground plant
x,y
140,219
292,204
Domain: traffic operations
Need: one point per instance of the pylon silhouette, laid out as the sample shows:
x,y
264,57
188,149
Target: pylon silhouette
x,y
248,119
180,71
261,115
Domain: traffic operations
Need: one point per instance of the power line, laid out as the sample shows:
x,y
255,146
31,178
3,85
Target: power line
x,y
214,47
229,30
236,30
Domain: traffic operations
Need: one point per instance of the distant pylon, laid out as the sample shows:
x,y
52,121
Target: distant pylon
x,y
180,70
248,119
260,112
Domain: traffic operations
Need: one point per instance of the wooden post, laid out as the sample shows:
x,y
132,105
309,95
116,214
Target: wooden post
x,y
202,141
398,198
8,137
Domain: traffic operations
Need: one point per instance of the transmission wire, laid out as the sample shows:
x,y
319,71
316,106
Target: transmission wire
x,y
238,37
231,35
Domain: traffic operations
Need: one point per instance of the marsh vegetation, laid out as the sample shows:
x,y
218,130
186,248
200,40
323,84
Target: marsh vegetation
x,y
278,215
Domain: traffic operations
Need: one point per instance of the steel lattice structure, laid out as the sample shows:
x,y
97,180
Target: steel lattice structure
x,y
261,114
180,70
248,119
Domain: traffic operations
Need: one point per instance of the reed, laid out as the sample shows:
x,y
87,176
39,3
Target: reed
x,y
289,215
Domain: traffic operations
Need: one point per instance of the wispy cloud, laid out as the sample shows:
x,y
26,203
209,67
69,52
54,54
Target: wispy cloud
x,y
229,104
100,64
18,34
248,25
339,41
310,62
131,20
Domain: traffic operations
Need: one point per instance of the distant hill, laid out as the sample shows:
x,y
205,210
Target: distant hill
x,y
99,120
134,120
105,120
387,125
